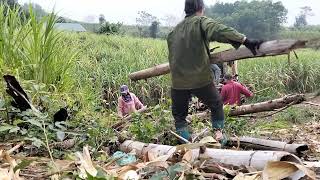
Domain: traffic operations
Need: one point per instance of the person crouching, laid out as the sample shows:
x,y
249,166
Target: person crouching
x,y
128,103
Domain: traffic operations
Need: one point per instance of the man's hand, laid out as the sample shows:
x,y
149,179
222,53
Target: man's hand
x,y
253,45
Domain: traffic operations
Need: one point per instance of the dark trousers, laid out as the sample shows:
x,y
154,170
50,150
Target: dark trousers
x,y
208,95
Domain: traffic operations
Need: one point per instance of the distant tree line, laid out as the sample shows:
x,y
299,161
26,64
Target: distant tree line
x,y
256,19
36,8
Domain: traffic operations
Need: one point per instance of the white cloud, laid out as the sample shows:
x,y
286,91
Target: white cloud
x,y
126,10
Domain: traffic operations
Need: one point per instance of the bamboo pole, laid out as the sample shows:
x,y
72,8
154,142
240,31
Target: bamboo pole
x,y
255,159
269,48
258,107
263,144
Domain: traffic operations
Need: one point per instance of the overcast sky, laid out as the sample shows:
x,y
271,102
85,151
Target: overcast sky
x,y
126,10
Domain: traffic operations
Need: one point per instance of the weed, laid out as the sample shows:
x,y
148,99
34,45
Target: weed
x,y
234,125
150,126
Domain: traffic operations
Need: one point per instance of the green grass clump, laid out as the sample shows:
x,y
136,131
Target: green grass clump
x,y
85,71
31,49
276,77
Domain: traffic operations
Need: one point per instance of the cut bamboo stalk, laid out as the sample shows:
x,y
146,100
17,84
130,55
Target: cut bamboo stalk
x,y
255,159
262,144
258,107
269,48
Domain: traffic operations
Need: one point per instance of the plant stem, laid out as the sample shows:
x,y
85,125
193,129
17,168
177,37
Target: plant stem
x,y
47,144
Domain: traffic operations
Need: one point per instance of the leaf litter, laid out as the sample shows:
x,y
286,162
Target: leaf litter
x,y
151,166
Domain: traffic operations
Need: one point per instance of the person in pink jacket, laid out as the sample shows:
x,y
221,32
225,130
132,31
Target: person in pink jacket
x,y
128,103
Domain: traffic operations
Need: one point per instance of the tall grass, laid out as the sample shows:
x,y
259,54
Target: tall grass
x,y
106,61
275,77
300,34
33,50
88,68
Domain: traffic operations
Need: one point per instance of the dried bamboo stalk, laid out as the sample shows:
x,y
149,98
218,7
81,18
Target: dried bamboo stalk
x,y
262,144
255,159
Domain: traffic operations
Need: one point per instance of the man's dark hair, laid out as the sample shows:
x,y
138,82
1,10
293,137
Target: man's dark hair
x,y
228,77
193,6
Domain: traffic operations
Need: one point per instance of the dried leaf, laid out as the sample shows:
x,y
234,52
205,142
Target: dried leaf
x,y
214,176
128,172
189,146
312,164
208,139
4,174
228,171
86,165
14,175
242,176
187,156
163,158
280,170
161,164
132,175
181,176
127,168
151,156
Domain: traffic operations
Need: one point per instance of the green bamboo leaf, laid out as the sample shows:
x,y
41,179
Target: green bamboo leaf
x,y
5,128
14,129
36,142
34,122
2,103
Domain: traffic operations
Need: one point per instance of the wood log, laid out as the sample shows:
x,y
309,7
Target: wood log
x,y
262,144
268,105
269,48
255,159
258,107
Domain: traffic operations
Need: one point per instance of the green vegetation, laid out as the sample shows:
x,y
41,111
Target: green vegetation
x,y
308,32
243,16
275,77
83,72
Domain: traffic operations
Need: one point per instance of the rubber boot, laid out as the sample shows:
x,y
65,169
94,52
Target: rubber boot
x,y
183,132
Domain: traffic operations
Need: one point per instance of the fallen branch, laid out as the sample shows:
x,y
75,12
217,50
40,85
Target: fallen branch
x,y
259,107
268,105
262,144
277,111
179,137
255,159
15,148
270,48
